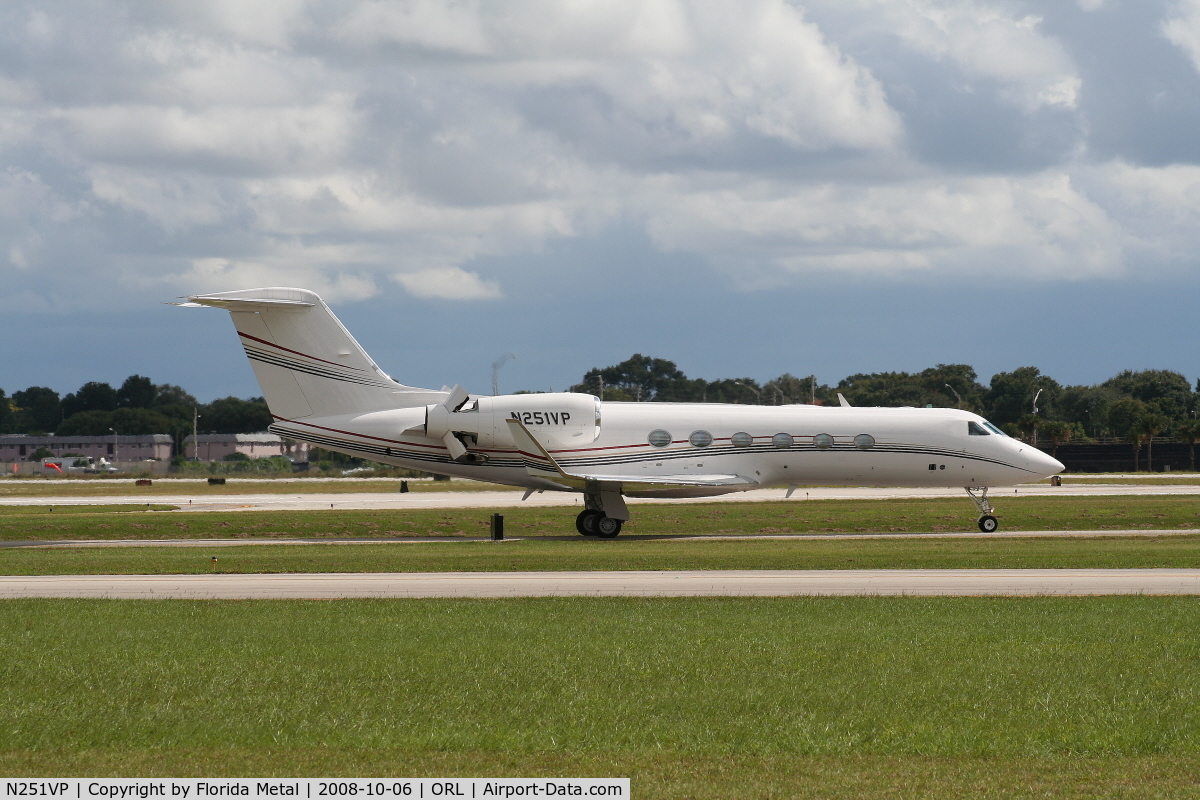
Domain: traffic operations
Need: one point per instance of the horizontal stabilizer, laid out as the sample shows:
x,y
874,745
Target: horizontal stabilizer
x,y
540,464
282,299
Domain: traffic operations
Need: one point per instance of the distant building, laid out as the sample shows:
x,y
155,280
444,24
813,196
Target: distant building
x,y
216,446
18,447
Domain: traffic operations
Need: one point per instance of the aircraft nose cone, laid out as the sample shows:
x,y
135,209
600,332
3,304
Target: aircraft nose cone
x,y
1043,463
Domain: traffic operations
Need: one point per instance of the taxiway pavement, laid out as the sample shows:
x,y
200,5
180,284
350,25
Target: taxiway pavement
x,y
689,583
510,499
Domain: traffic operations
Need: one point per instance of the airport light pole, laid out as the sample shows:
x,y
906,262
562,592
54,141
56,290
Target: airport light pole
x,y
496,365
956,395
114,433
1035,411
757,393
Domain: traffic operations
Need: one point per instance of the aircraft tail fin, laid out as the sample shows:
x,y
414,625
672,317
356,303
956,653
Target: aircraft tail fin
x,y
306,362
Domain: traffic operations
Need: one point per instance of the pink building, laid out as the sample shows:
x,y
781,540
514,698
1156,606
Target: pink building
x,y
114,448
216,446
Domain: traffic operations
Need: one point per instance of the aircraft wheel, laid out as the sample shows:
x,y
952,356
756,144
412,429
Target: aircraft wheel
x,y
988,523
608,528
585,523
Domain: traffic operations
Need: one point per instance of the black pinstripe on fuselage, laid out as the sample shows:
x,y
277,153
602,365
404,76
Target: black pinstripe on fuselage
x,y
574,461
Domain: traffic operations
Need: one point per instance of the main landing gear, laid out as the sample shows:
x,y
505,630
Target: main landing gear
x,y
594,523
978,495
595,519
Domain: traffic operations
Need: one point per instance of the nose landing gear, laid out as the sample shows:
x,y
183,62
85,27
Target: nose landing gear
x,y
978,495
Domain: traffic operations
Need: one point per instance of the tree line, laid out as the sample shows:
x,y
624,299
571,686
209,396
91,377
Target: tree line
x,y
137,407
1133,406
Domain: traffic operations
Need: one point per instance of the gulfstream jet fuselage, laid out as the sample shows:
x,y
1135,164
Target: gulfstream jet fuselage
x,y
322,388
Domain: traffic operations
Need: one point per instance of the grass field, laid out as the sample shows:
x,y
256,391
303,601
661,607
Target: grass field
x,y
716,697
546,543
690,698
543,554
774,517
100,509
200,487
1148,479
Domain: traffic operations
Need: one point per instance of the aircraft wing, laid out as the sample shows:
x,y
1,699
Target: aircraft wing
x,y
541,464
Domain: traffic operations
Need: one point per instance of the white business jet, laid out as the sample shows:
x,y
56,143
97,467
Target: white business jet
x,y
323,388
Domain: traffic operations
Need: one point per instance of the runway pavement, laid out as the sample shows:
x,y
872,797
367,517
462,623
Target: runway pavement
x,y
741,583
508,499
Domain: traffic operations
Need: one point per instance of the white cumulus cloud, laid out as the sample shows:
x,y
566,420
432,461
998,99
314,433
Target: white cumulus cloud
x,y
1183,29
447,283
358,146
985,39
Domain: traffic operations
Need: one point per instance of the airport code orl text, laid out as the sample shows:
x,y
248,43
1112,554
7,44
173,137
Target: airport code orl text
x,y
314,788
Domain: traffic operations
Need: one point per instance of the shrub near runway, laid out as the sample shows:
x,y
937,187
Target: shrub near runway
x,y
690,697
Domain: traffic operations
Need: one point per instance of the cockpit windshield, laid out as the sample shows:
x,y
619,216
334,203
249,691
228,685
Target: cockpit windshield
x,y
986,429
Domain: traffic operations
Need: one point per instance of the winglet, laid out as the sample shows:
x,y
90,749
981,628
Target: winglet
x,y
842,401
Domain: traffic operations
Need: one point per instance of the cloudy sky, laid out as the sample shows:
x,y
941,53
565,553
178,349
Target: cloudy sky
x,y
745,187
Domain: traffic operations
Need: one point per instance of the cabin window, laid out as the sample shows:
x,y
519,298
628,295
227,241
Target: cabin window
x,y
700,439
975,429
864,441
741,439
782,440
822,441
659,438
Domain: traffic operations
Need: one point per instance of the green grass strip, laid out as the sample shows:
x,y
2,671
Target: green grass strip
x,y
773,517
40,511
713,697
542,554
201,488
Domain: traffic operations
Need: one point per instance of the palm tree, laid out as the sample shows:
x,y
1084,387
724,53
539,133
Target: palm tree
x,y
1147,427
1189,431
1123,417
1029,424
1057,432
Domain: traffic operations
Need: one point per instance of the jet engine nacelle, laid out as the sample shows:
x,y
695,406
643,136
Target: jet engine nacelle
x,y
555,419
